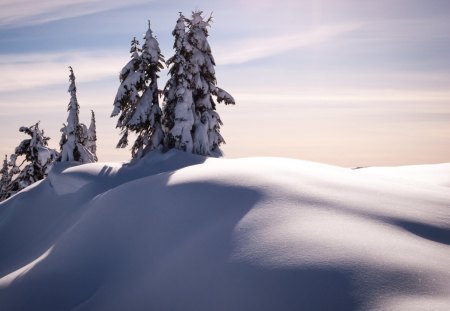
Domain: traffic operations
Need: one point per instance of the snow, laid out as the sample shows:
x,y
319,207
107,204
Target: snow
x,y
424,174
223,96
201,138
143,108
178,231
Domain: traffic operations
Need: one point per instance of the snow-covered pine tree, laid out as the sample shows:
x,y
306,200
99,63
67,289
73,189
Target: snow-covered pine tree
x,y
69,151
131,82
91,137
5,180
178,118
189,106
38,157
207,138
137,99
8,183
72,148
146,118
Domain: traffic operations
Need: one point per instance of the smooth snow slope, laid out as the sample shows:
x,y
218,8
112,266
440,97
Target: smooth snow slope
x,y
178,232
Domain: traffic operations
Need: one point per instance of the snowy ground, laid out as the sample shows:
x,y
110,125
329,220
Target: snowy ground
x,y
178,232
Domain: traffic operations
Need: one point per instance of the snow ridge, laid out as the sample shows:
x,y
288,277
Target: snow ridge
x,y
178,231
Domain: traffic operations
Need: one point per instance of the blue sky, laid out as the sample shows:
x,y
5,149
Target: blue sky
x,y
343,82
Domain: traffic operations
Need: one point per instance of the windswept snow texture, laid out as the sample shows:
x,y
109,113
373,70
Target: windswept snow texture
x,y
179,232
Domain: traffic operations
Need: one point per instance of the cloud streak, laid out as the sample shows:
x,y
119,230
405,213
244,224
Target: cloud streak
x,y
17,13
252,49
26,71
357,96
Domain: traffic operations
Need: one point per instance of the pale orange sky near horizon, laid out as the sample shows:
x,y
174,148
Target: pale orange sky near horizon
x,y
339,82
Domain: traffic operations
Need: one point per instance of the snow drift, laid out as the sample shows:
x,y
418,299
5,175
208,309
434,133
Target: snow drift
x,y
182,232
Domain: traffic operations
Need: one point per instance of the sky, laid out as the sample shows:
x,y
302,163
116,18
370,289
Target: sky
x,y
344,82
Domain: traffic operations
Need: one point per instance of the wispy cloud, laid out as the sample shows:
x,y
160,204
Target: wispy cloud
x,y
25,71
354,96
252,49
16,13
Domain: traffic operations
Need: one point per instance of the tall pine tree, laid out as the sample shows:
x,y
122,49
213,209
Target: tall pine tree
x,y
190,109
207,138
131,81
137,99
178,117
72,147
147,115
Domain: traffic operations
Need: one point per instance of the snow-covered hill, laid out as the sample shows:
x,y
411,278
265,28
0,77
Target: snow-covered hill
x,y
181,232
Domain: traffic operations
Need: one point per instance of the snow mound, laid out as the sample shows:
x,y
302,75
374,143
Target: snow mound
x,y
437,174
181,232
70,177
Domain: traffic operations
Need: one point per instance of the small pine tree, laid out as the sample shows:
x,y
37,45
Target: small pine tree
x,y
38,157
5,179
91,139
72,147
4,172
89,136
